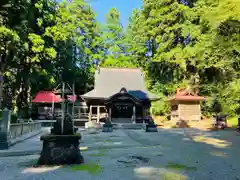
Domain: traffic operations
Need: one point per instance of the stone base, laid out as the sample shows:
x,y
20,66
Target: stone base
x,y
60,150
4,142
151,128
4,145
74,130
107,128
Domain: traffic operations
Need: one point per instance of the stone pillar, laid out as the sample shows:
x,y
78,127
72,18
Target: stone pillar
x,y
110,114
134,114
5,129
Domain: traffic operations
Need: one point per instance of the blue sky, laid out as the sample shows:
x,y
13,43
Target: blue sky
x,y
125,7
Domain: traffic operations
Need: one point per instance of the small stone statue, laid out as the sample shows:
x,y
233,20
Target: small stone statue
x,y
108,126
67,126
151,126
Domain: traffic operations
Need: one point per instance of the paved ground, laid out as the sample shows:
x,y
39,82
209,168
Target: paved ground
x,y
175,154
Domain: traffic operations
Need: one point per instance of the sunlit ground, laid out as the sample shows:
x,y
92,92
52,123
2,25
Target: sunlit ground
x,y
162,173
212,141
40,169
205,124
161,156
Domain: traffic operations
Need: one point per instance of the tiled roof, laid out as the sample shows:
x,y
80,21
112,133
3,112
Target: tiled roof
x,y
46,97
109,81
50,97
187,95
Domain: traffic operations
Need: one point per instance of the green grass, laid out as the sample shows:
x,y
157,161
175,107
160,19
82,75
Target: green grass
x,y
96,155
91,168
172,176
176,166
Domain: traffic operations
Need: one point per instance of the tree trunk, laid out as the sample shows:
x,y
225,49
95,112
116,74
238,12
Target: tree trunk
x,y
1,89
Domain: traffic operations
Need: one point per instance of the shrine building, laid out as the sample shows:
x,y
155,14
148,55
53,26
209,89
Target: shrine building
x,y
119,94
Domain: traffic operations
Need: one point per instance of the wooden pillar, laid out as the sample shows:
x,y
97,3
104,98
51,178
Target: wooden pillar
x,y
134,114
199,112
98,114
143,114
179,112
90,114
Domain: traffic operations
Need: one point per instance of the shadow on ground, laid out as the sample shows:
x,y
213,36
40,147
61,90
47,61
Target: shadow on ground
x,y
170,154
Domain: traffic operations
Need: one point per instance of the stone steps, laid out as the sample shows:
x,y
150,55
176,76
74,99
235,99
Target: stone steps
x,y
127,126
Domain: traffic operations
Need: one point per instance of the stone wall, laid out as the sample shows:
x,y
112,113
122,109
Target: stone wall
x,y
19,129
9,132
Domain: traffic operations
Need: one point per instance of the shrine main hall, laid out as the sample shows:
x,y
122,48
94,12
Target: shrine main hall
x,y
119,94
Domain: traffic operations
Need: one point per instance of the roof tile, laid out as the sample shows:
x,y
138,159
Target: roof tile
x,y
109,81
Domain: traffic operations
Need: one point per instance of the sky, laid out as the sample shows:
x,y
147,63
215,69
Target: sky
x,y
125,7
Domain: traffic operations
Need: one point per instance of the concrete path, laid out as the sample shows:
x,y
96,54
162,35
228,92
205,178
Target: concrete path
x,y
26,145
176,154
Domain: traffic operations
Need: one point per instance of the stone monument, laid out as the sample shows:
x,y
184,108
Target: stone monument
x,y
107,126
151,126
5,119
61,146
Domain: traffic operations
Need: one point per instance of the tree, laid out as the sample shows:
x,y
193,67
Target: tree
x,y
45,42
181,43
115,44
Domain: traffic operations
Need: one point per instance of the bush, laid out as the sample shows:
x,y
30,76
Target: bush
x,y
160,108
24,113
14,118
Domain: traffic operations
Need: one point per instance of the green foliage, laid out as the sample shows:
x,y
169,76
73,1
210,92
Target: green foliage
x,y
115,42
177,43
14,118
161,107
45,43
194,44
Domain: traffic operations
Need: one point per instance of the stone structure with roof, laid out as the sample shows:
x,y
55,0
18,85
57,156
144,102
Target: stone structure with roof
x,y
121,94
185,105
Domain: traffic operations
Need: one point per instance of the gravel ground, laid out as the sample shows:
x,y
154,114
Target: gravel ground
x,y
175,154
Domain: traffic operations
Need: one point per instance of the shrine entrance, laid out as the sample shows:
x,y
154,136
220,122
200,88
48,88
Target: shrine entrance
x,y
122,106
122,110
